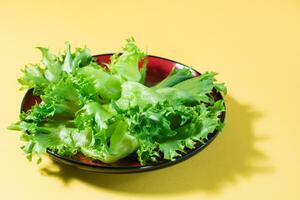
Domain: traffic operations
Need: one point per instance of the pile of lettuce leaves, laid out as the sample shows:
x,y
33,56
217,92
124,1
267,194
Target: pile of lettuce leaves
x,y
107,112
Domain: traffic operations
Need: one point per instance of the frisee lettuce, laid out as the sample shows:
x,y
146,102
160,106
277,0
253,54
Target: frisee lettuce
x,y
107,115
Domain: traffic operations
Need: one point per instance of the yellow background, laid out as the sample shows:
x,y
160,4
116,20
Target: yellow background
x,y
255,47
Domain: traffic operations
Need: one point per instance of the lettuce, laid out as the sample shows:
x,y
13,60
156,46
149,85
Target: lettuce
x,y
108,114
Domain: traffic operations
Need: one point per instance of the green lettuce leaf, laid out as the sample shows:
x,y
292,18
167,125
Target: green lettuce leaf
x,y
126,64
93,81
52,65
120,146
136,94
176,76
33,77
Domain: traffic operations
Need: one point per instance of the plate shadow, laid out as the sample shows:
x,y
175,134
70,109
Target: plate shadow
x,y
232,155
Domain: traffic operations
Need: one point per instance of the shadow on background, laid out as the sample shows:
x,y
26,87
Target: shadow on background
x,y
231,156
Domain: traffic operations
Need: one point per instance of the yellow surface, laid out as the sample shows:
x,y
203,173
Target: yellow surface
x,y
254,45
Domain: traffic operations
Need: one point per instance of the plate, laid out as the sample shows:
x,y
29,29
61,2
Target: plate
x,y
158,68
